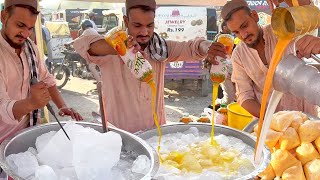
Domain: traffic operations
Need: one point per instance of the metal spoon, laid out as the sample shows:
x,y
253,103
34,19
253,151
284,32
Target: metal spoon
x,y
316,58
50,109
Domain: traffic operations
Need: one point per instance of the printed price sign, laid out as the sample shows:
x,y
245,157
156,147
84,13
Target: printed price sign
x,y
181,23
175,65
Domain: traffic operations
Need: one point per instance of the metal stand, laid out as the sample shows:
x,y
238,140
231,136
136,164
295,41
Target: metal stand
x,y
102,108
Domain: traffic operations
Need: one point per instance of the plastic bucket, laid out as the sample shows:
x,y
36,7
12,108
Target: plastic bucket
x,y
238,117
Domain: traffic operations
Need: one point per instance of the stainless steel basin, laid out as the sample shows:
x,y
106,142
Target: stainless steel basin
x,y
206,128
27,137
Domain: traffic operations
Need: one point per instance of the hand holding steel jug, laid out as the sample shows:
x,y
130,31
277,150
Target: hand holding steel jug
x,y
292,74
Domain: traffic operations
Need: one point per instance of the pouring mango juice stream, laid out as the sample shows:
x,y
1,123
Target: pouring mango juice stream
x,y
285,37
276,57
140,67
218,74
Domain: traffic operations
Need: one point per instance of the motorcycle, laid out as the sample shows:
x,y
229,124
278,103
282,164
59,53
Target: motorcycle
x,y
72,64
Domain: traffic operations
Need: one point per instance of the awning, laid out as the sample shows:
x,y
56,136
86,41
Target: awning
x,y
169,2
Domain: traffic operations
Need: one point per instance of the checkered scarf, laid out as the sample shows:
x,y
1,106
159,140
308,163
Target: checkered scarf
x,y
34,73
158,48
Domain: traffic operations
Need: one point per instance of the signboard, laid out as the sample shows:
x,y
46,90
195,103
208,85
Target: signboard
x,y
259,5
181,23
99,17
73,17
58,46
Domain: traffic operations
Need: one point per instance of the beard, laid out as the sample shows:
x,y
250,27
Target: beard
x,y
256,41
145,43
10,41
13,44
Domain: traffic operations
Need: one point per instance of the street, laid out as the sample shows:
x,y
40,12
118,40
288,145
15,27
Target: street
x,y
180,97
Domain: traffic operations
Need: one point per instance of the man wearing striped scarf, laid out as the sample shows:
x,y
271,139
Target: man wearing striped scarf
x,y
20,65
128,100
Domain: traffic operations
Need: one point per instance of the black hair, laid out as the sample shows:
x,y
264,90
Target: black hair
x,y
85,24
245,8
142,7
11,9
223,24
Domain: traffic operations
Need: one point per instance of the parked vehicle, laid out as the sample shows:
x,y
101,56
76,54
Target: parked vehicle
x,y
74,18
72,64
112,18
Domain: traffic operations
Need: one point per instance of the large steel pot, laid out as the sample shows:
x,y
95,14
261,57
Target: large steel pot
x,y
27,137
206,128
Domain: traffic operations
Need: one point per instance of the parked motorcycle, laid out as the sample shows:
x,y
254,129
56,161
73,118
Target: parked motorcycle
x,y
72,64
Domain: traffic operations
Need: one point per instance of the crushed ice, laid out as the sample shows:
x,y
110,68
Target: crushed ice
x,y
184,141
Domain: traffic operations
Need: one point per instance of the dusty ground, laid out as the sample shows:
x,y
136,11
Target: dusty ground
x,y
180,97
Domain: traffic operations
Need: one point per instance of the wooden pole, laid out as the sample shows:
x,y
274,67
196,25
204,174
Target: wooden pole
x,y
102,108
39,42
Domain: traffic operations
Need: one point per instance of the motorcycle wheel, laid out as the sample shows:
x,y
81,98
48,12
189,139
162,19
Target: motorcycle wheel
x,y
61,73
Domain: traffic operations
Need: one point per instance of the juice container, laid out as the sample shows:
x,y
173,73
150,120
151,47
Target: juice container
x,y
228,41
218,73
224,112
186,118
137,64
204,119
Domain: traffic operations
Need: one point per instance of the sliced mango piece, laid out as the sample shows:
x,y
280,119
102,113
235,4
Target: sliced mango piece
x,y
312,170
294,172
282,160
306,152
290,139
268,173
309,131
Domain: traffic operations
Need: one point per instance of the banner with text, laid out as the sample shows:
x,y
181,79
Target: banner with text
x,y
259,6
181,23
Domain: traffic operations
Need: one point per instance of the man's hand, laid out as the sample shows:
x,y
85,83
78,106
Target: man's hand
x,y
216,49
102,48
136,46
252,106
70,112
276,3
273,4
308,45
133,43
39,95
